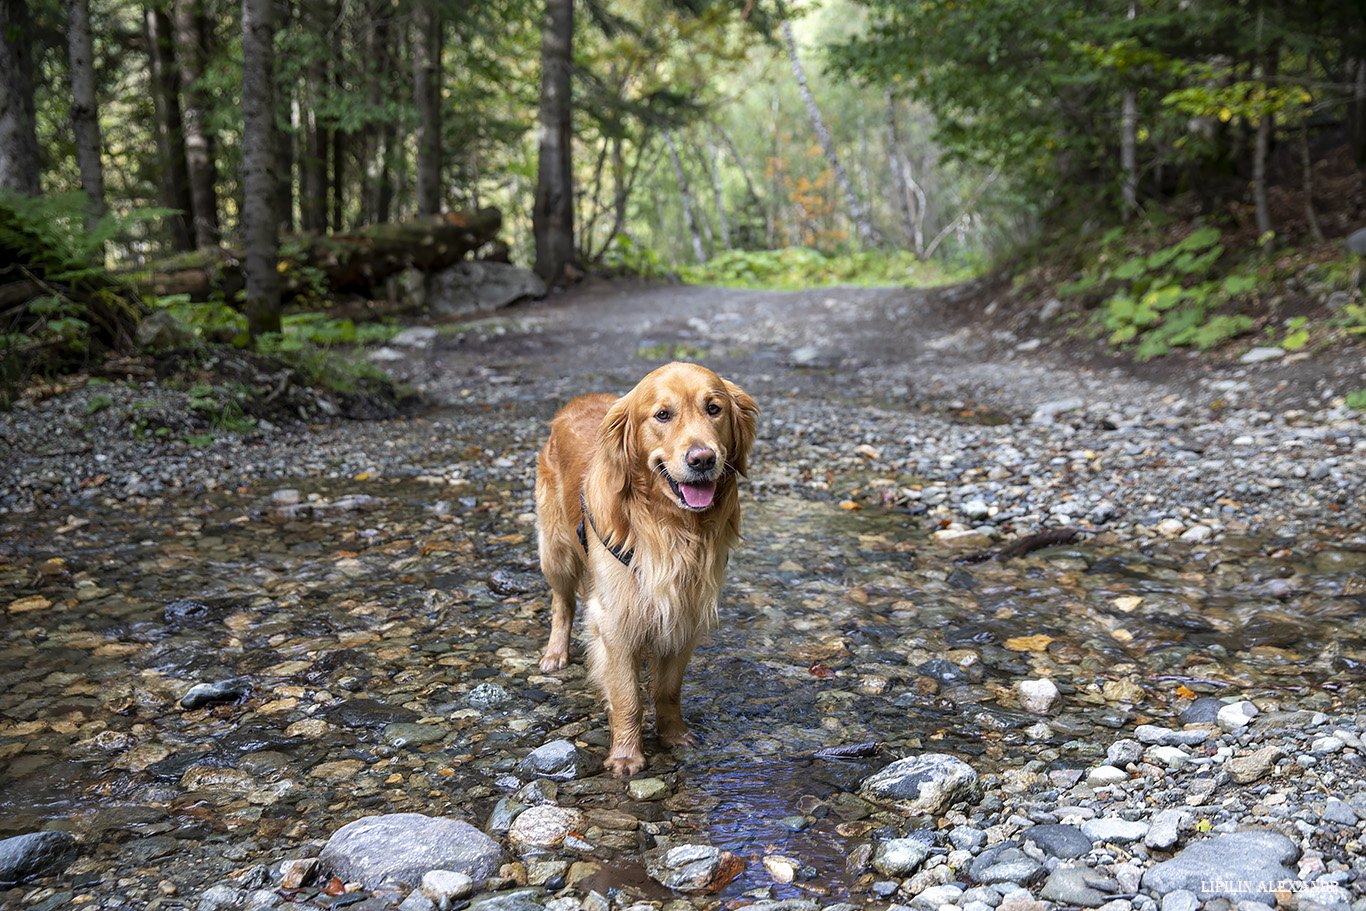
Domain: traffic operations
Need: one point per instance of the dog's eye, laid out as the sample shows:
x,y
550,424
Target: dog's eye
x,y
713,409
663,416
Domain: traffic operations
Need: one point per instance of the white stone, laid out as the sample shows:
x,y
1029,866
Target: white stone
x,y
1037,696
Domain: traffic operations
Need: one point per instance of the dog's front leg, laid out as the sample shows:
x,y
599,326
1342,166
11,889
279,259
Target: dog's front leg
x,y
668,698
616,671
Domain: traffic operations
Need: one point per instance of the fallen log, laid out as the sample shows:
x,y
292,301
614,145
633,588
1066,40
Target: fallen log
x,y
357,262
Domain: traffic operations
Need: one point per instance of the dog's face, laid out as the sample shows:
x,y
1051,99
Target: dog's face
x,y
678,434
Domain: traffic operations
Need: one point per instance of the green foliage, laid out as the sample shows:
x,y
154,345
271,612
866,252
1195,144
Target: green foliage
x,y
799,267
1166,298
627,257
1357,400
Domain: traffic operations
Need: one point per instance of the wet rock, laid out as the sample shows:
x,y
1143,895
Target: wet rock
x,y
202,694
1005,863
1078,886
1239,866
1113,830
544,827
358,713
24,857
1170,757
1060,841
1204,710
1037,696
900,856
693,868
408,734
505,582
560,760
503,813
929,783
967,838
488,695
647,789
1250,768
402,847
516,900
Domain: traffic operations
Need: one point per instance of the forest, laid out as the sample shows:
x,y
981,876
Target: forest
x,y
255,145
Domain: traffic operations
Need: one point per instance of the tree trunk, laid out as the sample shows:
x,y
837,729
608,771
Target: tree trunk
x,y
377,181
685,196
1307,180
358,262
1266,231
427,98
19,169
858,213
553,212
260,225
1356,110
909,195
714,159
1128,145
284,136
313,145
165,90
192,46
85,109
338,179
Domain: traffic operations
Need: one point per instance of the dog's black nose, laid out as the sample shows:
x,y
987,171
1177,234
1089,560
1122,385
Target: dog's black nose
x,y
701,459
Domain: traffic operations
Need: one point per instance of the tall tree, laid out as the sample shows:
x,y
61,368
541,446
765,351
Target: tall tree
x,y
427,97
192,48
170,131
19,167
316,16
377,179
85,108
260,227
552,218
685,198
858,212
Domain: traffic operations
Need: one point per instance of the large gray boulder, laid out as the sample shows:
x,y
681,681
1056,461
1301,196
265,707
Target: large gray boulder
x,y
403,847
1240,866
479,287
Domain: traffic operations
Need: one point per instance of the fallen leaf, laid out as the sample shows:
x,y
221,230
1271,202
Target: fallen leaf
x,y
849,504
334,886
821,670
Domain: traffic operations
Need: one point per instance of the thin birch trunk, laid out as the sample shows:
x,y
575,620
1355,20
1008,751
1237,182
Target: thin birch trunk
x,y
858,213
685,196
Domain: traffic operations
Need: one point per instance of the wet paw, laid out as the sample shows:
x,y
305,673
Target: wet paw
x,y
553,660
679,738
624,766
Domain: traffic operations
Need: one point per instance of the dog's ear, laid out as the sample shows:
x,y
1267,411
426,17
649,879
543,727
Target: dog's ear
x,y
617,455
744,417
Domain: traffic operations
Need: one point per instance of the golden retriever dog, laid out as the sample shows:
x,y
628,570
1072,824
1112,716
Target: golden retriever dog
x,y
638,508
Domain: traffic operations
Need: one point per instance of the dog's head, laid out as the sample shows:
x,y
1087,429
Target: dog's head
x,y
680,433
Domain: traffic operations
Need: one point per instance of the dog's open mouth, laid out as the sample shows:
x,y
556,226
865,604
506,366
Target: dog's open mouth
x,y
692,494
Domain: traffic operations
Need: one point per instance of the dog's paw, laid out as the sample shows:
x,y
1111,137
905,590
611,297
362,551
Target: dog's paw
x,y
553,660
624,766
679,738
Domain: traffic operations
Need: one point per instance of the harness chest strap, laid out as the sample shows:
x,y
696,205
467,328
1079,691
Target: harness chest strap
x,y
623,556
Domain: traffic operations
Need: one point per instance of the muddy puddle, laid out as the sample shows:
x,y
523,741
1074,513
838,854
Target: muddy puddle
x,y
384,633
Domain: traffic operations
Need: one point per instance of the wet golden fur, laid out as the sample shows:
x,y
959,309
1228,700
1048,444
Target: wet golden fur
x,y
617,451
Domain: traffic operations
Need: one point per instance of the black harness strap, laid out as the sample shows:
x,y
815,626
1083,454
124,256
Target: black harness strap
x,y
624,556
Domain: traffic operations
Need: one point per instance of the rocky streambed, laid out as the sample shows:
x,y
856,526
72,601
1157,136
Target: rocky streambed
x,y
300,668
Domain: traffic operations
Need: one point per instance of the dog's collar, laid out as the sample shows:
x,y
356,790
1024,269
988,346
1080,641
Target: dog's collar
x,y
623,556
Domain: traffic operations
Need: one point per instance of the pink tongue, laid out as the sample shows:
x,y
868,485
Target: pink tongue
x,y
698,495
